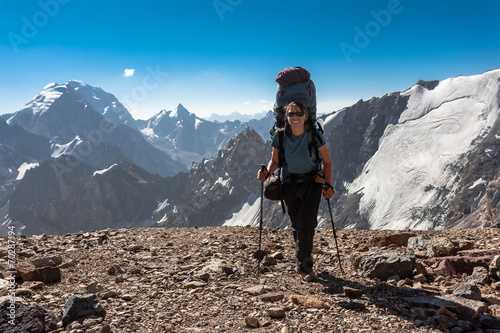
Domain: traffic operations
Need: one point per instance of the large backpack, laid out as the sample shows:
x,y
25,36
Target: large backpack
x,y
294,85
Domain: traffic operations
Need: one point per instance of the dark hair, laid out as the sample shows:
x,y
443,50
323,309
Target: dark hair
x,y
288,128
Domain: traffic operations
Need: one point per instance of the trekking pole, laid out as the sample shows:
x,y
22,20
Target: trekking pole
x,y
334,235
262,168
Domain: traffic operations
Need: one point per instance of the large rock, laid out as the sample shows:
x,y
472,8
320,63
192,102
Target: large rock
x,y
400,239
27,319
479,276
418,243
465,308
45,274
468,290
494,267
383,264
445,246
51,261
460,264
81,306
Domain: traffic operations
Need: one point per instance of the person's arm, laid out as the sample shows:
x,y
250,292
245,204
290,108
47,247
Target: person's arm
x,y
327,165
271,167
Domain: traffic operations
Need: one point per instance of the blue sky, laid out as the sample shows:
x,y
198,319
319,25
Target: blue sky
x,y
222,56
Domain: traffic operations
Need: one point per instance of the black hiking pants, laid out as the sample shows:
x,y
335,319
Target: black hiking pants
x,y
303,214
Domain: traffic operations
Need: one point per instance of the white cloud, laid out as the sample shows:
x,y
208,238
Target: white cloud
x,y
128,72
263,101
247,102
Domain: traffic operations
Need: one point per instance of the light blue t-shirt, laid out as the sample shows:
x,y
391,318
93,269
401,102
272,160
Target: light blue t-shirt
x,y
297,158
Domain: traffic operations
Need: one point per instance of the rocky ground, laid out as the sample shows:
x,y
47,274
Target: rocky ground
x,y
208,280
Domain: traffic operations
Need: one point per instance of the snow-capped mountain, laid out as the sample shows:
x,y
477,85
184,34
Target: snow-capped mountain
x,y
233,116
104,103
186,137
66,115
423,159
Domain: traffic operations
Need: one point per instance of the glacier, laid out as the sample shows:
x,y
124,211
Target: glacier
x,y
417,166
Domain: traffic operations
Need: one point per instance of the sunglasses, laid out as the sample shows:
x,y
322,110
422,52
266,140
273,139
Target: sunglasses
x,y
295,114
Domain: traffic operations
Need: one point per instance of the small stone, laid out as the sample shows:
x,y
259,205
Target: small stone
x,y
405,282
421,254
444,311
115,269
308,302
108,294
24,292
193,284
133,248
33,285
272,297
128,297
135,270
276,312
420,278
94,288
352,292
255,290
252,322
355,304
277,255
492,299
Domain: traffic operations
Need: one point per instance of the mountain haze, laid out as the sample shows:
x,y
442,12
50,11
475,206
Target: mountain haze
x,y
188,138
63,113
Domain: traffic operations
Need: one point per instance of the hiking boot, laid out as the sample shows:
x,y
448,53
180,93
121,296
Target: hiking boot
x,y
306,266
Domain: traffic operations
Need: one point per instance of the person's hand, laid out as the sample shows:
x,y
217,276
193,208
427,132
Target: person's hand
x,y
328,190
262,174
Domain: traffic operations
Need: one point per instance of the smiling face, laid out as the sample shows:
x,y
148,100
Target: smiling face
x,y
296,117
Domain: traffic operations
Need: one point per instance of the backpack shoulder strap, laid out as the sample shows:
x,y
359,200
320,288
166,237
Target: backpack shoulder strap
x,y
314,141
281,148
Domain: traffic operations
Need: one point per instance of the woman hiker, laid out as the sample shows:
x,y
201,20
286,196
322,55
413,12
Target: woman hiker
x,y
301,193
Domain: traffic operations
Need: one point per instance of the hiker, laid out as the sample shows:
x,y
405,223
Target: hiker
x,y
301,193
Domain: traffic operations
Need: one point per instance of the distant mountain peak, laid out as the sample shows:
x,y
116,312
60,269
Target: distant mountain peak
x,y
180,112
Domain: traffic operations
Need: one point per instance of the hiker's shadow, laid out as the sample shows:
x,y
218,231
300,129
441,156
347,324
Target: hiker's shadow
x,y
421,307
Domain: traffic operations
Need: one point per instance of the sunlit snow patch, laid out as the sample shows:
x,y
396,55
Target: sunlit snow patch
x,y
23,168
100,172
